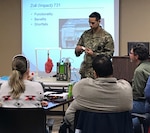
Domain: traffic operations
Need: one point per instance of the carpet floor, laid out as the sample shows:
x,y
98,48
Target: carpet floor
x,y
57,119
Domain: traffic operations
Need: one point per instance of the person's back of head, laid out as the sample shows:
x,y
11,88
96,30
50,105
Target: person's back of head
x,y
20,66
141,50
102,65
95,15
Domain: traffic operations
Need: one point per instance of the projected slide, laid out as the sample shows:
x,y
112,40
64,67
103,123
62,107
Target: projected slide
x,y
70,31
55,26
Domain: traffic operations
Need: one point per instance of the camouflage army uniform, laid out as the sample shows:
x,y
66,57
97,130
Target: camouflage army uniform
x,y
100,43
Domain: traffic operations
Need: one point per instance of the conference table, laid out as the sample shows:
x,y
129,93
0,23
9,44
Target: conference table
x,y
53,105
51,84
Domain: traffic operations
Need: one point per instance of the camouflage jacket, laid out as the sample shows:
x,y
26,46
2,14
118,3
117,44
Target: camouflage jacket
x,y
100,43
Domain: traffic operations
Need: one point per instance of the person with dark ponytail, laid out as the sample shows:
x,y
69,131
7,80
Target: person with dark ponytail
x,y
18,91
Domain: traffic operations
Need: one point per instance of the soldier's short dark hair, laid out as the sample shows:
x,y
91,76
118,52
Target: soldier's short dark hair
x,y
95,15
102,65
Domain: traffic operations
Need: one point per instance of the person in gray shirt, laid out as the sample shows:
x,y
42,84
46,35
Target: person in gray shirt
x,y
104,93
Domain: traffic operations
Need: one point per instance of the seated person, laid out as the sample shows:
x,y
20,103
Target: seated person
x,y
18,91
139,55
104,93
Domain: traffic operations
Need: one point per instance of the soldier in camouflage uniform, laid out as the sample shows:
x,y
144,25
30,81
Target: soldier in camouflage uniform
x,y
93,42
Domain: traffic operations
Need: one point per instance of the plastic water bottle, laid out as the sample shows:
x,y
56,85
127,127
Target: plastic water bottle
x,y
70,91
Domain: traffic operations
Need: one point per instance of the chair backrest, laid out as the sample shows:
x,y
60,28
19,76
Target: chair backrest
x,y
22,120
95,122
144,122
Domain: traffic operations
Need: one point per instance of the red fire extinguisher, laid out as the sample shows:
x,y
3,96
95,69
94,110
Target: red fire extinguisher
x,y
48,64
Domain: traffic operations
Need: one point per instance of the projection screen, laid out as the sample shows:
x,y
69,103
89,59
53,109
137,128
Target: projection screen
x,y
54,27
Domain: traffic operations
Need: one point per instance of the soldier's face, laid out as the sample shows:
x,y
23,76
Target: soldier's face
x,y
94,24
